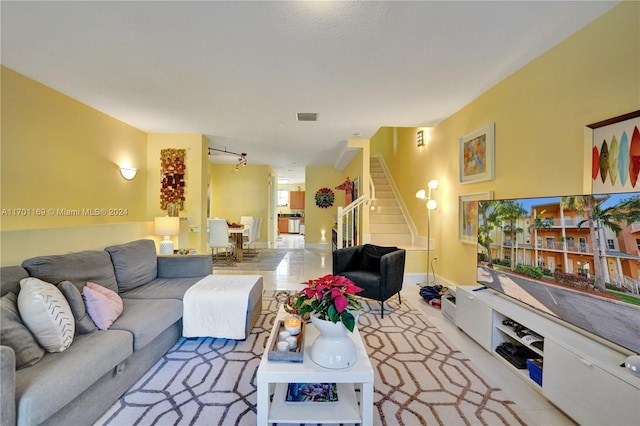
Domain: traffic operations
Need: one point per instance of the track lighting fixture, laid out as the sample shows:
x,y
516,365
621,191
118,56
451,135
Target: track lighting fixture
x,y
242,157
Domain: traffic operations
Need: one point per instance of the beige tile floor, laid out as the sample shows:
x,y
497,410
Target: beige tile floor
x,y
301,265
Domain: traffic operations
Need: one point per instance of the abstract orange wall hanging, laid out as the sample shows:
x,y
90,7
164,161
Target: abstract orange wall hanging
x,y
172,183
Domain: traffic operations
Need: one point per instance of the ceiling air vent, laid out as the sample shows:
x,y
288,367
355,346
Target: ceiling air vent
x,y
307,116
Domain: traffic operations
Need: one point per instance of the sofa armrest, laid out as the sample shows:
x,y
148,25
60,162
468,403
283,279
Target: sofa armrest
x,y
346,259
184,266
392,271
7,386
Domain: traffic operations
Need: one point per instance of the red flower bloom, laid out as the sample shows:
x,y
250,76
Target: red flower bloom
x,y
330,298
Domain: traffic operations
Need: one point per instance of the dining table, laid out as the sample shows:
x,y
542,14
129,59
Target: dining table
x,y
238,235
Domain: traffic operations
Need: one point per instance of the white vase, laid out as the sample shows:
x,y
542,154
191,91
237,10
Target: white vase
x,y
333,348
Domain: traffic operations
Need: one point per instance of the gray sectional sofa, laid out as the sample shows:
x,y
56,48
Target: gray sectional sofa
x,y
76,386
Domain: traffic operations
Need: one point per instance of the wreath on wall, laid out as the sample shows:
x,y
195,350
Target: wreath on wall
x,y
324,198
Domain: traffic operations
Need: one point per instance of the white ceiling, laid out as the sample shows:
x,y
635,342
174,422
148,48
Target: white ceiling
x,y
239,72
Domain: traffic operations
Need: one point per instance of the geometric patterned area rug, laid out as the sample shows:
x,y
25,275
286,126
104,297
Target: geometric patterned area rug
x,y
419,378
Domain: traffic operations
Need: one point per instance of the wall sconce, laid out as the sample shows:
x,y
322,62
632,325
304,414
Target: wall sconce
x,y
167,226
431,205
420,138
128,172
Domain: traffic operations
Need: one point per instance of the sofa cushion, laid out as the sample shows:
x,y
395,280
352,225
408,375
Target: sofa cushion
x,y
79,267
162,288
135,263
59,378
371,255
47,314
84,323
103,305
10,277
16,335
147,319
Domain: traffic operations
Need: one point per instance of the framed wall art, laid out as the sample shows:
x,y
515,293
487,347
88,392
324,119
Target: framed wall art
x,y
172,180
477,155
615,154
468,216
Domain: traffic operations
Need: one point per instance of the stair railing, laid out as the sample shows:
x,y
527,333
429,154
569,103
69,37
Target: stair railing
x,y
349,227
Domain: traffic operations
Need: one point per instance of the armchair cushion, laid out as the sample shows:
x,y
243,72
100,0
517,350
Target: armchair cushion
x,y
371,255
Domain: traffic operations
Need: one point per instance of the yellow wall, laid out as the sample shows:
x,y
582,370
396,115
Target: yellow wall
x,y
319,221
241,193
59,154
540,113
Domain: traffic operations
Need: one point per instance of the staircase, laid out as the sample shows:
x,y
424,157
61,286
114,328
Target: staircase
x,y
387,225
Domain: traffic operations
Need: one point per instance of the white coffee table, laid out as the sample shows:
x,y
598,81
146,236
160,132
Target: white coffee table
x,y
352,406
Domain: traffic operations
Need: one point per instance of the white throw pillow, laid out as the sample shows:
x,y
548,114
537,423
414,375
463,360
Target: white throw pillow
x,y
46,312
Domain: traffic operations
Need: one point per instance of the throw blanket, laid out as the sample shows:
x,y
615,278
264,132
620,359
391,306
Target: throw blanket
x,y
216,306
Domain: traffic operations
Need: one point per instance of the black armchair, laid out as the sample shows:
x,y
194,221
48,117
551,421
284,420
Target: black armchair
x,y
378,270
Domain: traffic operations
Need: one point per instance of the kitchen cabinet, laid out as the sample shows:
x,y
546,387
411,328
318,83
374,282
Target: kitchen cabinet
x,y
283,225
296,200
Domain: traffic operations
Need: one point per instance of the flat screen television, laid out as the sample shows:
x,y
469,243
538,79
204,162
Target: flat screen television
x,y
541,252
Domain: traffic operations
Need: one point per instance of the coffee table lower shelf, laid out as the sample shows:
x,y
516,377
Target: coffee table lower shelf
x,y
345,410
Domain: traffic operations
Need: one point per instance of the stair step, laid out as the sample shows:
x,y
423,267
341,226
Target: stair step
x,y
384,194
384,202
391,239
386,210
388,228
386,218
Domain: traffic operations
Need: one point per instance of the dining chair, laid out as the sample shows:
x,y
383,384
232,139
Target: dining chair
x,y
246,221
219,238
254,234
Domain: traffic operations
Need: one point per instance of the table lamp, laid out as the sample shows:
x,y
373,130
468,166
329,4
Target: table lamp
x,y
167,226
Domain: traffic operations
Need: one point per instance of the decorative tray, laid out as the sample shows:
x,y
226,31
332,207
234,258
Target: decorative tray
x,y
292,355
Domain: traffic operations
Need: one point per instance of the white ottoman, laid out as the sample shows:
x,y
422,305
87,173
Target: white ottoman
x,y
223,306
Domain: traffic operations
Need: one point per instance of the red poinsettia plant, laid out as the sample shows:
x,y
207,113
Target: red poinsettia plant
x,y
330,298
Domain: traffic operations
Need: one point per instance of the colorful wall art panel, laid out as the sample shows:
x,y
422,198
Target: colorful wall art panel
x,y
615,154
172,183
476,156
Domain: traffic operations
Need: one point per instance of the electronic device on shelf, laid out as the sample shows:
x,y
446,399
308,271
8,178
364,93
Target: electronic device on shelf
x,y
556,237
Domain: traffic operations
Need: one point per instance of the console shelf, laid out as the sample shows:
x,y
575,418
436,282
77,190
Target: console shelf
x,y
581,374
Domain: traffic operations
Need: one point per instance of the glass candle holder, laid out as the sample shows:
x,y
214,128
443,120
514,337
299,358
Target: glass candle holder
x,y
283,346
293,325
293,342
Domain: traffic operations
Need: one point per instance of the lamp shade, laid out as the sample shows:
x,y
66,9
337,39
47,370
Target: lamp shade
x,y
167,225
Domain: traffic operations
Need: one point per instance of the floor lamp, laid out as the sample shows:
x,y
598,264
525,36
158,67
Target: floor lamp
x,y
431,205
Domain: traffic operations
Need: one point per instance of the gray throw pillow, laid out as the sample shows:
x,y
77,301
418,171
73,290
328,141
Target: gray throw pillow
x,y
84,323
16,335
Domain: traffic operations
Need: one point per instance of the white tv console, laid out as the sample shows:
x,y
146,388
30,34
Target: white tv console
x,y
581,374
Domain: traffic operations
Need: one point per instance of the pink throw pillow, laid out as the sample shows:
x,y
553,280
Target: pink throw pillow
x,y
103,305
